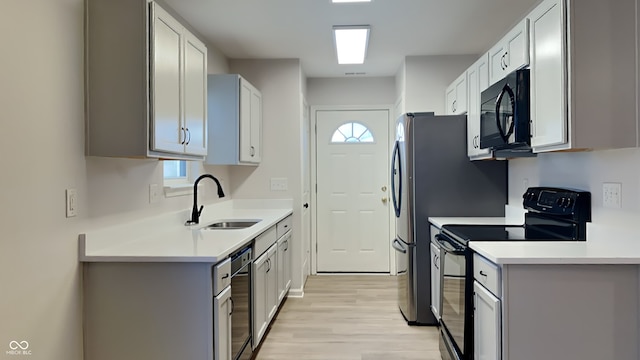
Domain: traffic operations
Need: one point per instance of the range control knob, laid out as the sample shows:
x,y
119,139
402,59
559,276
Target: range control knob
x,y
568,203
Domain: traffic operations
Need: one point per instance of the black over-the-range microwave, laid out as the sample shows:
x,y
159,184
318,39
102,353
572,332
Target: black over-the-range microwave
x,y
505,114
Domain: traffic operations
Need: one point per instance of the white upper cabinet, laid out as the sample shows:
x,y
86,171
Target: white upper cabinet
x,y
179,70
235,121
477,80
510,53
146,83
583,96
456,96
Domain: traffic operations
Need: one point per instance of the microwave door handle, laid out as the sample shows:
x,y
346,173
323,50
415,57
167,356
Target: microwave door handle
x,y
506,89
397,201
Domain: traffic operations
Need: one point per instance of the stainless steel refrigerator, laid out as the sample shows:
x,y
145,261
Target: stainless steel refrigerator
x,y
431,175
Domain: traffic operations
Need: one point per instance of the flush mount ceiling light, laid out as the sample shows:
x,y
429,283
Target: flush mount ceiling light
x,y
349,1
351,43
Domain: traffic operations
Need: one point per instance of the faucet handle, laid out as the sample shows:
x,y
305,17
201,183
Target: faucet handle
x,y
200,211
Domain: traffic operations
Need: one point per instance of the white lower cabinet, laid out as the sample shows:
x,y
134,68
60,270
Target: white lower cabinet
x,y
435,280
264,293
284,266
555,311
487,326
271,276
222,311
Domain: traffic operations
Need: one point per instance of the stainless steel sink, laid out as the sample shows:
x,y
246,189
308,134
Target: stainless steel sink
x,y
231,224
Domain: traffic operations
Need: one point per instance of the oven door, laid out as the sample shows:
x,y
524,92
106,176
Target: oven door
x,y
453,293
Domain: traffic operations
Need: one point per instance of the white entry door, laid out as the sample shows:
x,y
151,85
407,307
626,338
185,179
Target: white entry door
x,y
352,151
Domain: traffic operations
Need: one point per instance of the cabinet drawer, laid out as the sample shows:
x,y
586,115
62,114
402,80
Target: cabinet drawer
x,y
221,276
265,240
487,274
283,226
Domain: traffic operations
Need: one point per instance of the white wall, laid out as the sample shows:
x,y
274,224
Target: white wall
x,y
585,171
426,78
42,154
280,84
351,91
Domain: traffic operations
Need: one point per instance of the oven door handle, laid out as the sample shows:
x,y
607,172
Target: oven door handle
x,y
447,246
398,247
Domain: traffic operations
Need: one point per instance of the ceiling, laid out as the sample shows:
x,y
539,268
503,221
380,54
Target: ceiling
x,y
279,29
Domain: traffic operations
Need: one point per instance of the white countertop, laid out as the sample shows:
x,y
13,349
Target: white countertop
x,y
614,244
165,238
603,246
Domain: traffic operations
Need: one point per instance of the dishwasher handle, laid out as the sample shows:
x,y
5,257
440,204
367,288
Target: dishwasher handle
x,y
398,247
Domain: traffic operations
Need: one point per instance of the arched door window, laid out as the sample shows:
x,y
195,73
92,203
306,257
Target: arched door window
x,y
352,132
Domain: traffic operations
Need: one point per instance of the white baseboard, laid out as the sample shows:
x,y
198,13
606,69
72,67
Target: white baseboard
x,y
296,293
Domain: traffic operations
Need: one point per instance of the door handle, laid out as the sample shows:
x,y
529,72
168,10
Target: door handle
x,y
306,205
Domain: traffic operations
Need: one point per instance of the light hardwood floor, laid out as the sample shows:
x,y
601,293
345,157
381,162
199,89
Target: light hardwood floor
x,y
345,317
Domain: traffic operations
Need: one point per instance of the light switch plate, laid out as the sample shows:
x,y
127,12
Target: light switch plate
x,y
612,195
279,184
71,202
154,193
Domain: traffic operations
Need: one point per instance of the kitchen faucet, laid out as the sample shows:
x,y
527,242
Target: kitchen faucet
x,y
195,212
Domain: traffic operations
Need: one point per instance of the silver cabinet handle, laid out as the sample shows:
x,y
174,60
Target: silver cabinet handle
x,y
184,136
253,151
189,136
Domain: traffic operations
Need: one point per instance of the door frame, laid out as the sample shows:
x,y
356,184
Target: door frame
x,y
313,118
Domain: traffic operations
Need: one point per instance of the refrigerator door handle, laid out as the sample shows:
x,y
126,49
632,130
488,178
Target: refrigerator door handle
x,y
398,247
396,200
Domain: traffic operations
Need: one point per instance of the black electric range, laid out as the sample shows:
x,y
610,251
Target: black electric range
x,y
553,214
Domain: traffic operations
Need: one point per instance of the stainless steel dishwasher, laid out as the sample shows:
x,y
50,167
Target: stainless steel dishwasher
x,y
241,303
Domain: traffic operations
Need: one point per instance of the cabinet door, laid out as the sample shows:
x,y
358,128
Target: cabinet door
x,y
195,95
255,150
456,96
510,53
272,283
245,120
450,99
287,263
487,324
477,80
435,281
284,266
461,95
517,47
548,100
168,133
260,320
222,312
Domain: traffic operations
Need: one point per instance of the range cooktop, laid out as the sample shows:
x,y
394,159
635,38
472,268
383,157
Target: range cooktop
x,y
466,233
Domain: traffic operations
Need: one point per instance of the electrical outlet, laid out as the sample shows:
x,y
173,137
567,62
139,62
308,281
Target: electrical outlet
x,y
612,195
71,202
279,184
154,193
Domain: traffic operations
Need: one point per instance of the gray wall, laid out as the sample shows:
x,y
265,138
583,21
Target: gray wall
x,y
586,171
42,124
280,83
351,91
